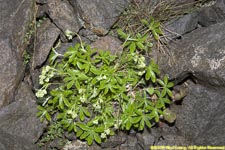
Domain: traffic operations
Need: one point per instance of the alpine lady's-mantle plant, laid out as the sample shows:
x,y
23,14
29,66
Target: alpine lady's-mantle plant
x,y
94,93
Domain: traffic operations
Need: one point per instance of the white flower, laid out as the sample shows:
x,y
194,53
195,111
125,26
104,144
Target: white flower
x,y
97,106
41,93
41,79
81,91
46,79
142,59
69,112
74,115
107,132
95,121
140,73
117,124
103,135
141,65
47,68
51,74
100,100
82,99
69,34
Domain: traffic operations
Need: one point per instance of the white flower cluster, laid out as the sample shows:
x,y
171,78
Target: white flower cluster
x,y
95,121
41,93
140,60
117,124
69,34
72,113
105,133
101,77
83,99
97,106
46,74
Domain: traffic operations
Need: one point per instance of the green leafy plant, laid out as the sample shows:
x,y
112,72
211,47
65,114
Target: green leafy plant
x,y
135,42
26,57
94,93
153,27
54,131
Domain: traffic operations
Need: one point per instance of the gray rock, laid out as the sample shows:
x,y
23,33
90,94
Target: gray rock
x,y
109,43
201,118
41,1
213,14
15,17
172,140
97,15
64,15
200,53
161,136
178,27
35,73
13,142
208,14
19,118
47,34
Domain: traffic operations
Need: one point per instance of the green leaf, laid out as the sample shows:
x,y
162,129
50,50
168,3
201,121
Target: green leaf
x,y
156,36
148,75
100,129
95,71
142,125
169,92
147,122
79,133
84,135
70,84
169,115
150,90
128,124
81,115
122,34
170,84
86,112
39,114
156,25
41,108
48,117
77,84
153,76
160,82
140,45
136,120
132,47
70,128
97,138
89,139
159,31
145,22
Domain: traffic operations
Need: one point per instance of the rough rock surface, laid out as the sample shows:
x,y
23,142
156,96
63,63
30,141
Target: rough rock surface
x,y
109,43
97,15
200,53
201,118
177,27
13,142
47,34
64,15
164,135
211,13
19,118
15,16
